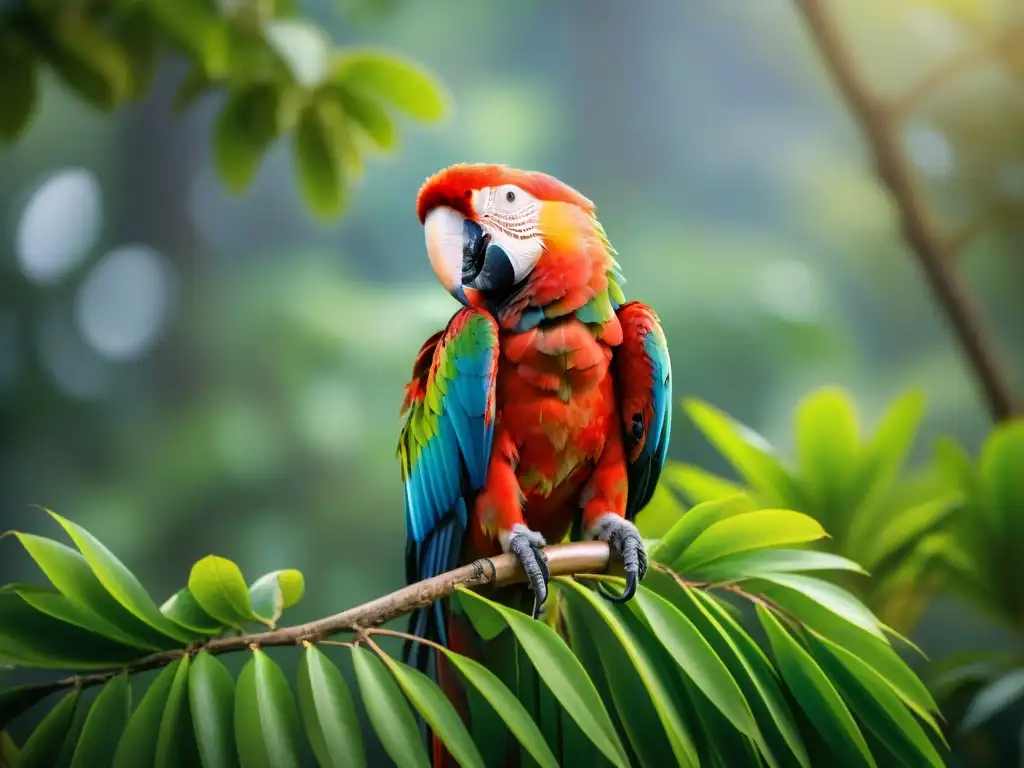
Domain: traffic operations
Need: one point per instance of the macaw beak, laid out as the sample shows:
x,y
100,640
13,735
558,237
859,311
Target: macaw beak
x,y
469,265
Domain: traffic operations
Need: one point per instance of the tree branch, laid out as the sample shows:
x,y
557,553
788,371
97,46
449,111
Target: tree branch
x,y
563,560
929,248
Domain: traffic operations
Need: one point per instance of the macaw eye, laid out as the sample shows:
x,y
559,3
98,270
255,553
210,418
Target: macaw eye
x,y
638,426
510,196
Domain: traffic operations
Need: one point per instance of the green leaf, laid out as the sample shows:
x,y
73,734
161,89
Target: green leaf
x,y
679,738
1000,469
274,592
395,80
438,712
875,704
328,712
367,113
195,84
884,454
661,513
218,586
88,60
564,676
266,721
14,701
138,743
245,129
33,639
319,163
139,38
389,713
751,455
486,622
195,26
506,705
46,742
829,596
120,582
182,608
752,530
696,484
701,517
108,716
211,693
19,84
828,446
71,574
175,733
761,562
993,698
303,47
9,751
818,698
905,529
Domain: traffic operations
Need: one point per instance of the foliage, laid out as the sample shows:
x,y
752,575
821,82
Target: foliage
x,y
850,483
671,676
980,554
280,75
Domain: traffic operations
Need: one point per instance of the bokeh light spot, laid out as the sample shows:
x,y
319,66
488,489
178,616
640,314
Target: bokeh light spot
x,y
123,304
61,223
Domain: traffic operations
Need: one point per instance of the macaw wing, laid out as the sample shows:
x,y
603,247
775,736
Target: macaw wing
x,y
445,447
644,376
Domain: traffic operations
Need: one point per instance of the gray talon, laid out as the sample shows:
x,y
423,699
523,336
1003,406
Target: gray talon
x,y
624,539
528,546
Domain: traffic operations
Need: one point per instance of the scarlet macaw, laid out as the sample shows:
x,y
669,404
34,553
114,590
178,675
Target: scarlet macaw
x,y
545,404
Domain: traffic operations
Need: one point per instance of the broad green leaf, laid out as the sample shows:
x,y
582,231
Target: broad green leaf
x,y
367,113
993,698
328,712
196,26
438,712
827,595
303,47
71,574
399,82
486,622
244,130
120,582
319,163
15,700
564,676
137,745
828,446
44,746
679,738
29,638
884,454
698,485
19,84
389,712
751,455
107,716
695,657
271,594
266,720
661,513
759,562
905,529
9,751
506,705
1002,457
182,607
816,695
694,522
175,732
218,586
211,694
88,60
752,530
875,703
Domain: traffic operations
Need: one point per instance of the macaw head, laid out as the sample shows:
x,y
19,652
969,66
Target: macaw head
x,y
513,241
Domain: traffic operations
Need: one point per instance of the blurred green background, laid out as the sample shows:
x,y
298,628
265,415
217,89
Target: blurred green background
x,y
185,371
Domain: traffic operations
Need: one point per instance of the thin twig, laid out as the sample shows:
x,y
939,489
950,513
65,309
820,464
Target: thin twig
x,y
928,246
563,560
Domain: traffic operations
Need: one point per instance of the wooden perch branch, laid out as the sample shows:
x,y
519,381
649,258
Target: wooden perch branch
x,y
932,251
563,560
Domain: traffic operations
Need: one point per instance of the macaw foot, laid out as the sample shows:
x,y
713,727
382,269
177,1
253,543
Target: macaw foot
x,y
625,541
528,546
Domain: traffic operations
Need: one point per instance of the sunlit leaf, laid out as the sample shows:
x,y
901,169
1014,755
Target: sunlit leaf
x,y
883,455
245,128
697,484
211,693
319,163
137,745
303,47
367,113
752,530
403,84
275,592
694,522
829,596
389,712
183,608
328,712
266,720
47,740
999,466
828,446
993,698
196,26
174,740
218,586
906,528
107,716
760,562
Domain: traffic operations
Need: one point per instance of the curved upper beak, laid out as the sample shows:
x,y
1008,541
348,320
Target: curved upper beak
x,y
464,258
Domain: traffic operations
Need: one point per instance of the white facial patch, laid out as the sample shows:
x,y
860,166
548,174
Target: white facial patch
x,y
510,216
